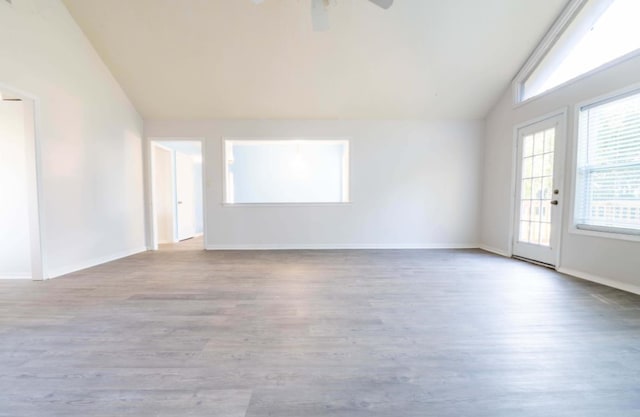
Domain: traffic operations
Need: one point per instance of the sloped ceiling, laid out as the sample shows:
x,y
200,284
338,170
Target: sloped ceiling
x,y
421,59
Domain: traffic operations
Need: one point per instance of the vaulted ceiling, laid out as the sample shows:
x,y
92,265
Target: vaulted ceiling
x,y
421,59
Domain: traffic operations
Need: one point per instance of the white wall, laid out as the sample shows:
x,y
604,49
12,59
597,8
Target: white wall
x,y
89,135
413,184
613,261
15,247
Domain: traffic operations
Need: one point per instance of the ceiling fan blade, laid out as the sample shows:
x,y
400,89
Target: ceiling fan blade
x,y
385,4
6,97
319,15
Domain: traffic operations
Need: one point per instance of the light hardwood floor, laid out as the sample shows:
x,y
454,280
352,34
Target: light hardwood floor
x,y
195,243
318,333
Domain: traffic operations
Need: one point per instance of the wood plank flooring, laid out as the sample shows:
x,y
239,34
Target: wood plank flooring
x,y
318,333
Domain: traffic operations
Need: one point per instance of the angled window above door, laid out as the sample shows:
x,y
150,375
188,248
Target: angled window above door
x,y
588,35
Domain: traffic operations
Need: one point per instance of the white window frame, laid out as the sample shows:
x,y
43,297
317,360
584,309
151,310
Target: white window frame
x,y
595,231
562,23
349,171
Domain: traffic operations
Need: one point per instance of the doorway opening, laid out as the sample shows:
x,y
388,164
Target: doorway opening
x,y
20,250
177,194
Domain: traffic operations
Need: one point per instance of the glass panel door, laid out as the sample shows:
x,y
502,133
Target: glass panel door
x,y
538,191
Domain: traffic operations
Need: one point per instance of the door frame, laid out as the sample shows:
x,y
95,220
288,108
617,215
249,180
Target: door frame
x,y
152,236
562,114
33,154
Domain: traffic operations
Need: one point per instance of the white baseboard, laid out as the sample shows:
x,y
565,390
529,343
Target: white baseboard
x,y
635,289
341,246
16,276
495,250
58,272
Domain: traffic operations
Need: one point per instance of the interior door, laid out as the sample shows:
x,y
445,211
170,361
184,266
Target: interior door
x,y
185,196
540,153
15,246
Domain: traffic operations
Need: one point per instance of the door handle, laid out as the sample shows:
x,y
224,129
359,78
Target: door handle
x,y
554,202
179,202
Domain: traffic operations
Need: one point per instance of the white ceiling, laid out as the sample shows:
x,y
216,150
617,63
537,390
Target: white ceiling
x,y
421,59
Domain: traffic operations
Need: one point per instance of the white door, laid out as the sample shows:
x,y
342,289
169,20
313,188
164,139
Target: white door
x,y
185,196
540,153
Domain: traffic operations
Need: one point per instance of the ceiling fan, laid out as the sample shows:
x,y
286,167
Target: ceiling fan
x,y
5,97
320,13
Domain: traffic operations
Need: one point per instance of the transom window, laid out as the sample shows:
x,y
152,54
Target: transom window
x,y
596,32
608,166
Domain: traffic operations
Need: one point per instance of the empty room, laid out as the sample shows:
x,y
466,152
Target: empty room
x,y
319,208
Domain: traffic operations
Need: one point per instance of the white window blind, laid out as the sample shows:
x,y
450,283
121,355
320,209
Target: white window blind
x,y
608,176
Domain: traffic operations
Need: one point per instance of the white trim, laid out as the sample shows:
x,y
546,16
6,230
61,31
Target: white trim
x,y
271,140
496,251
17,276
630,89
234,205
632,237
340,246
562,111
635,289
534,262
58,272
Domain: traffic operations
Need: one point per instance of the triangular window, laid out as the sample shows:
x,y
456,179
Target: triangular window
x,y
590,34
